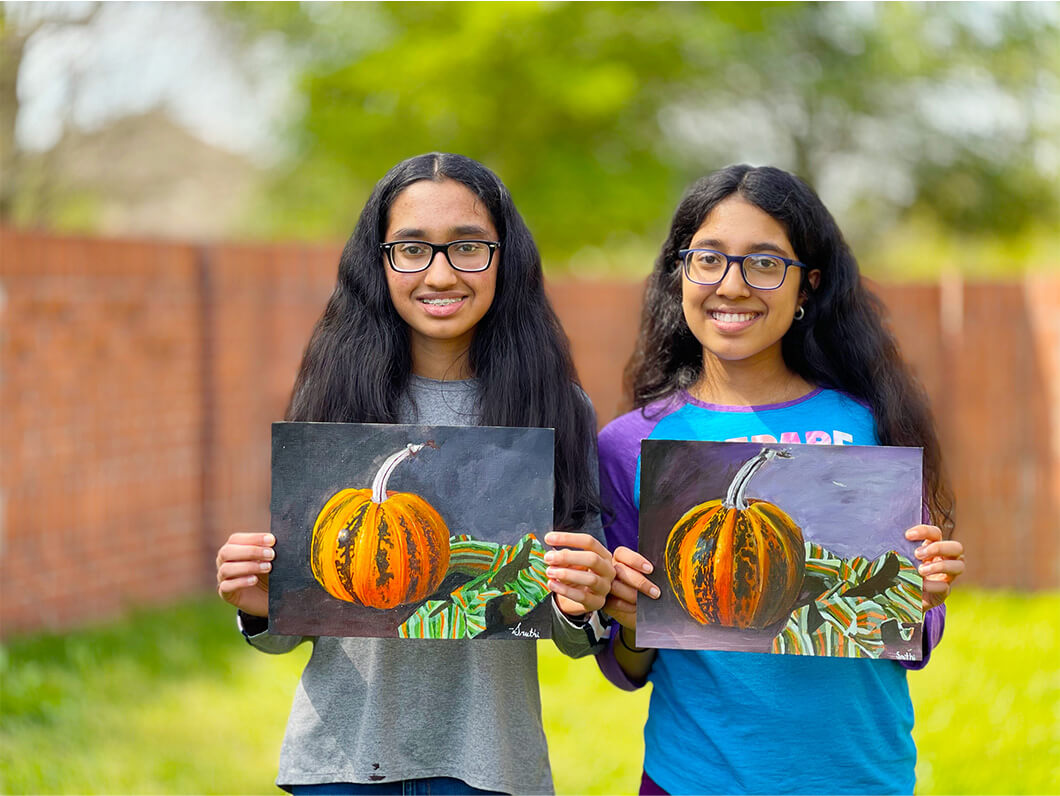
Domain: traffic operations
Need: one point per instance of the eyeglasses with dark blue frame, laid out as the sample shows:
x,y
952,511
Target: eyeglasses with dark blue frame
x,y
760,271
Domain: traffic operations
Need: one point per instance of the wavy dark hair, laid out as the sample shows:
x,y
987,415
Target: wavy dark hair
x,y
842,342
358,361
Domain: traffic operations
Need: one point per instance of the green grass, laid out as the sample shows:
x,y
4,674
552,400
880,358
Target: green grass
x,y
172,701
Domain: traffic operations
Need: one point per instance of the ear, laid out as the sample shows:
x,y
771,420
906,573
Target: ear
x,y
814,278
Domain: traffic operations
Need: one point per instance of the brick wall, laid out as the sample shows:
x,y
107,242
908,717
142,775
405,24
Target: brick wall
x,y
138,381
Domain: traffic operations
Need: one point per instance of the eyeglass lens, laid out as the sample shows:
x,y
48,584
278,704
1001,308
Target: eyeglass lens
x,y
464,255
759,270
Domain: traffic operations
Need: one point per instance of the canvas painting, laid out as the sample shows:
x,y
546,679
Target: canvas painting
x,y
796,549
401,531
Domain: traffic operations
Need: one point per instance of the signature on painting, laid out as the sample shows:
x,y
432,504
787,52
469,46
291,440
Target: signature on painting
x,y
528,633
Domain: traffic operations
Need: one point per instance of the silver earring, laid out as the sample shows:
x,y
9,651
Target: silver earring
x,y
800,313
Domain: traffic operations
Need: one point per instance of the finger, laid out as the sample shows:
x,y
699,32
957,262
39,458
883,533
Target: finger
x,y
944,549
575,577
936,587
582,558
241,569
578,541
931,533
575,607
576,593
619,608
259,539
243,552
636,580
227,588
935,593
632,559
624,592
247,538
949,567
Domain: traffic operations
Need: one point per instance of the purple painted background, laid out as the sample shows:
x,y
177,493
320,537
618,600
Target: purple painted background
x,y
850,499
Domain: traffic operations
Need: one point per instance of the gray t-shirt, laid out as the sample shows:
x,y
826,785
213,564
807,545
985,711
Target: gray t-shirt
x,y
377,710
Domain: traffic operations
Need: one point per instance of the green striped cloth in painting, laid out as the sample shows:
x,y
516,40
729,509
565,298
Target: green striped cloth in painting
x,y
859,603
497,571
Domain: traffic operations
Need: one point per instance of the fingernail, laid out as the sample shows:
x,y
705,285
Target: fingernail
x,y
910,534
550,556
550,572
265,566
270,539
919,552
550,538
269,554
647,567
654,591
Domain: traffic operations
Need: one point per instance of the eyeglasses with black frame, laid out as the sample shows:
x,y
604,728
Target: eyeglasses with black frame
x,y
760,271
411,256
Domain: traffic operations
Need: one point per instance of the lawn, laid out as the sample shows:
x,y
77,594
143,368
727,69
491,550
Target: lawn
x,y
173,701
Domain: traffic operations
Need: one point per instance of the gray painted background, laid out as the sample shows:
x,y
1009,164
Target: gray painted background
x,y
495,484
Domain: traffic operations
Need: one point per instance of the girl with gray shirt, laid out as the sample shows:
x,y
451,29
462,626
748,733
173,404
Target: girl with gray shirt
x,y
439,317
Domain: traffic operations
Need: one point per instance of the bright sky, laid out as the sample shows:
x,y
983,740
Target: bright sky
x,y
134,56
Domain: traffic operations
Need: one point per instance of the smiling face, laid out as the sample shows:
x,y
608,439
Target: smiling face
x,y
441,305
733,322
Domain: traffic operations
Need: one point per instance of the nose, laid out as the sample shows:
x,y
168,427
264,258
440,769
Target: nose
x,y
733,284
439,273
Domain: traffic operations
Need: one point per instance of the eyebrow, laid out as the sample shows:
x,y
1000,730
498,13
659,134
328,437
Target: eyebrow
x,y
755,248
409,233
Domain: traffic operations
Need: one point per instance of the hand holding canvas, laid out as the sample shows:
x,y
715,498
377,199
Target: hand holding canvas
x,y
579,574
942,560
243,563
629,581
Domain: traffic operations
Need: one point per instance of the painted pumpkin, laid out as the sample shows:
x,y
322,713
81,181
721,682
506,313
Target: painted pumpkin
x,y
737,562
378,548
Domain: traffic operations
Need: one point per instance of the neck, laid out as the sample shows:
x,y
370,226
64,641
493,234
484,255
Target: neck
x,y
442,360
755,381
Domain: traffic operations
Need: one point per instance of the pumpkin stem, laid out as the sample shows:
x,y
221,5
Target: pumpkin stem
x,y
734,498
392,461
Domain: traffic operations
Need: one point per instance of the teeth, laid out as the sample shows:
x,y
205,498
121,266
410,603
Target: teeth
x,y
732,317
441,302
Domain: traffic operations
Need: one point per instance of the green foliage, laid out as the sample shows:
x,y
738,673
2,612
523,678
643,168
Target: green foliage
x,y
598,115
173,701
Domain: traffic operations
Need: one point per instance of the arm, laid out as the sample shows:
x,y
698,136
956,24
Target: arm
x,y
942,561
579,577
255,630
243,566
631,663
622,662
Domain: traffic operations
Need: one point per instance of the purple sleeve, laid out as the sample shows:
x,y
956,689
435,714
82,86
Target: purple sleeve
x,y
934,624
934,618
619,456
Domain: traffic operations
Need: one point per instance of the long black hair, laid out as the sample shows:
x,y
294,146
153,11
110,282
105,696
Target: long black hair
x,y
358,362
842,341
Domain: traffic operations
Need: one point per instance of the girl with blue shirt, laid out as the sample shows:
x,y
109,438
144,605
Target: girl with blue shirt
x,y
757,327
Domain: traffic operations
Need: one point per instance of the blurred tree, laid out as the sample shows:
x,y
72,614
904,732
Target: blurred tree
x,y
598,114
27,185
562,100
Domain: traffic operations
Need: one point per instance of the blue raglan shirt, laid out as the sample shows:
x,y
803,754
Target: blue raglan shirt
x,y
737,722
